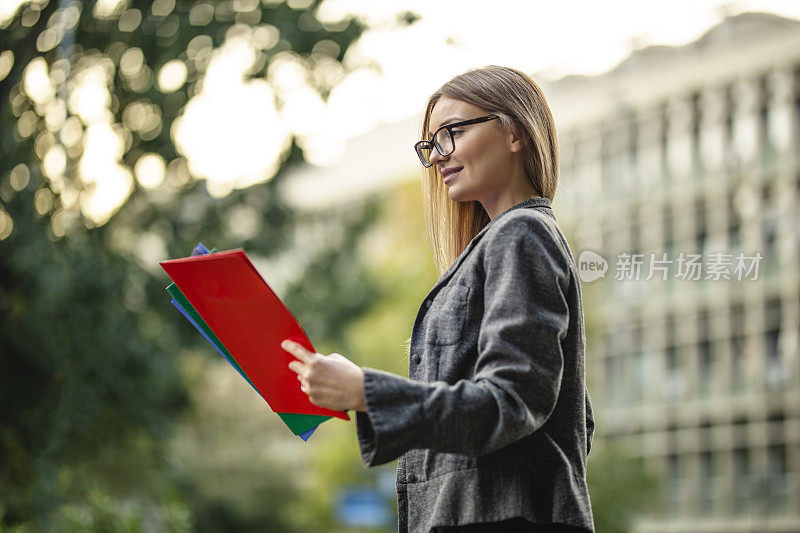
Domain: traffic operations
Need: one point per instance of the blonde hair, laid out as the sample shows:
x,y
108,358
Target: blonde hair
x,y
521,104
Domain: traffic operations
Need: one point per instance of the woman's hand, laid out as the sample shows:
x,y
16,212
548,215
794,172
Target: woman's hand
x,y
330,381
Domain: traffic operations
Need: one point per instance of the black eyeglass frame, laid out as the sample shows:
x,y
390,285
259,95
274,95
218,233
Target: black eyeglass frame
x,y
431,144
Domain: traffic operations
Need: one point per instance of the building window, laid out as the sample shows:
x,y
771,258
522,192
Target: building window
x,y
734,224
664,142
770,219
674,481
764,147
674,383
730,149
704,361
696,119
769,233
737,347
636,239
704,366
701,229
633,152
775,373
742,481
737,372
667,232
777,482
708,475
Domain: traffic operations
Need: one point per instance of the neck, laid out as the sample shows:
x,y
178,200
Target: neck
x,y
519,189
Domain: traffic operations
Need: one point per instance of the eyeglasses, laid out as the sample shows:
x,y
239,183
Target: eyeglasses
x,y
443,141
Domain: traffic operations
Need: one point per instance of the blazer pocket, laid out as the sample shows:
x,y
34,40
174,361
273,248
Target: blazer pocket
x,y
448,314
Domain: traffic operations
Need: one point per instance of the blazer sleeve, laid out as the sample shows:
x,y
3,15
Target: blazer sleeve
x,y
518,370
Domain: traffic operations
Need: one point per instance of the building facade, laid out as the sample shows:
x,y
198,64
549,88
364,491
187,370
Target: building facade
x,y
680,168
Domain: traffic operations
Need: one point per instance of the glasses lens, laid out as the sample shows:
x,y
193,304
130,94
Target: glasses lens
x,y
423,150
444,142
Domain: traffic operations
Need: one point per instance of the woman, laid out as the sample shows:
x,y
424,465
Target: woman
x,y
493,427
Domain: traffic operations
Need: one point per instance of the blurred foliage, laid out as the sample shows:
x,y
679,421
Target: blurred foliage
x,y
102,425
396,255
83,376
227,457
621,486
116,416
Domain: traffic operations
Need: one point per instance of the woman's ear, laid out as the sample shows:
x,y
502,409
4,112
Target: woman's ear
x,y
516,142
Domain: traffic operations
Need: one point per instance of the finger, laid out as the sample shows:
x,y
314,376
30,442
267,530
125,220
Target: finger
x,y
304,384
298,350
297,366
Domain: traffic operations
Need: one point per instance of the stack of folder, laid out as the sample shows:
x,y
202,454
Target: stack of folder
x,y
225,298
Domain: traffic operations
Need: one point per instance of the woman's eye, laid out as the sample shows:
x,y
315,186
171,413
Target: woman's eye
x,y
456,132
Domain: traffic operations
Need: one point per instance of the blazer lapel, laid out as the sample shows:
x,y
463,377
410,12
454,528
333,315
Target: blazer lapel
x,y
530,202
444,278
455,264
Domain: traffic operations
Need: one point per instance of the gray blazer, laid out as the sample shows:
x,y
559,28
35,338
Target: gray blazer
x,y
495,421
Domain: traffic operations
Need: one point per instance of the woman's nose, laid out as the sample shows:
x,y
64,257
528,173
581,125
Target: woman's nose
x,y
436,156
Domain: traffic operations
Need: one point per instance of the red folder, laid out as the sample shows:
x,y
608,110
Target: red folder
x,y
251,321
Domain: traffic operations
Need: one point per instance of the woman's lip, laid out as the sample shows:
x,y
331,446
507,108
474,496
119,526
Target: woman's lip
x,y
452,175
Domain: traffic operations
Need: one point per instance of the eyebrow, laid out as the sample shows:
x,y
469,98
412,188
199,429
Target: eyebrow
x,y
448,121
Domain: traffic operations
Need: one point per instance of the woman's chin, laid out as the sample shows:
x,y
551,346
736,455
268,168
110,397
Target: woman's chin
x,y
454,193
459,196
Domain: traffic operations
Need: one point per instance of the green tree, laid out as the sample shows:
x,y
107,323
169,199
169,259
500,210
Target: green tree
x,y
621,486
396,256
89,383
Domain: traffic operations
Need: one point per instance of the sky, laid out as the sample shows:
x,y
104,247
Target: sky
x,y
234,146
546,38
